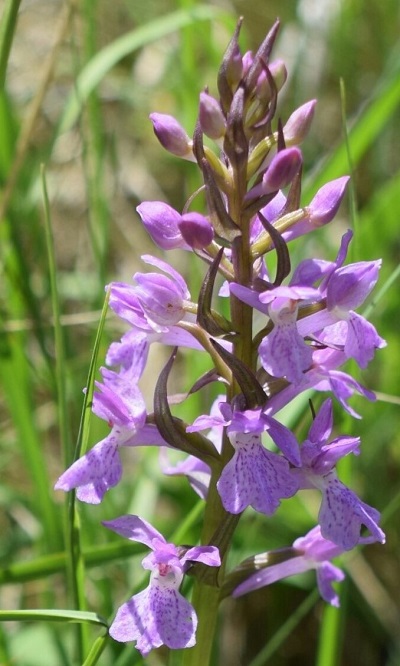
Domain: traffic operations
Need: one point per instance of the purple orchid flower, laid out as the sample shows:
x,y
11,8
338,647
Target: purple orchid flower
x,y
313,552
344,289
162,298
159,615
254,476
323,376
283,352
342,513
196,471
119,402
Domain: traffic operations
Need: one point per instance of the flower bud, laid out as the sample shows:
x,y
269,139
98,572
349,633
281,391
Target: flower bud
x,y
247,61
212,120
278,72
172,136
234,67
281,171
326,202
298,125
162,223
196,230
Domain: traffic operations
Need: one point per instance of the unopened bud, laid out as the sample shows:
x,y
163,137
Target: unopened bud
x,y
247,61
278,72
326,202
298,125
212,119
230,72
196,230
172,136
282,169
162,223
280,173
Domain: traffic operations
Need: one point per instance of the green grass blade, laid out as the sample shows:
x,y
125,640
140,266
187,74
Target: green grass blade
x,y
109,56
60,362
286,629
42,567
362,134
17,390
96,650
50,615
331,635
7,30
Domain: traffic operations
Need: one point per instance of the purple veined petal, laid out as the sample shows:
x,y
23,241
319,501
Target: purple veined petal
x,y
249,420
349,286
175,619
157,616
177,337
342,514
362,340
344,248
162,223
331,453
311,271
248,296
315,553
160,298
322,425
269,575
327,574
283,353
315,547
294,293
343,386
134,528
284,439
315,323
131,623
204,421
94,473
118,401
124,302
130,354
197,472
148,435
255,477
206,554
167,268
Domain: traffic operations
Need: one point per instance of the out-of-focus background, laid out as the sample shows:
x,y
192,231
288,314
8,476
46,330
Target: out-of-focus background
x,y
81,80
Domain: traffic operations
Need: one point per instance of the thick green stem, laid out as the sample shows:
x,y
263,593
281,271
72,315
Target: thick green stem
x,y
205,597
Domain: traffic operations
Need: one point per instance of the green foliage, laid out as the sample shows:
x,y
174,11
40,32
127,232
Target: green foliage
x,y
63,238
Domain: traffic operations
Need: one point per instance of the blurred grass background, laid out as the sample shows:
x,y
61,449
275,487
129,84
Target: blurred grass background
x,y
78,81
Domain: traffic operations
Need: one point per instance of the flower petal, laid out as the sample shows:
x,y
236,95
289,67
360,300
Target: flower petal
x,y
96,472
255,477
